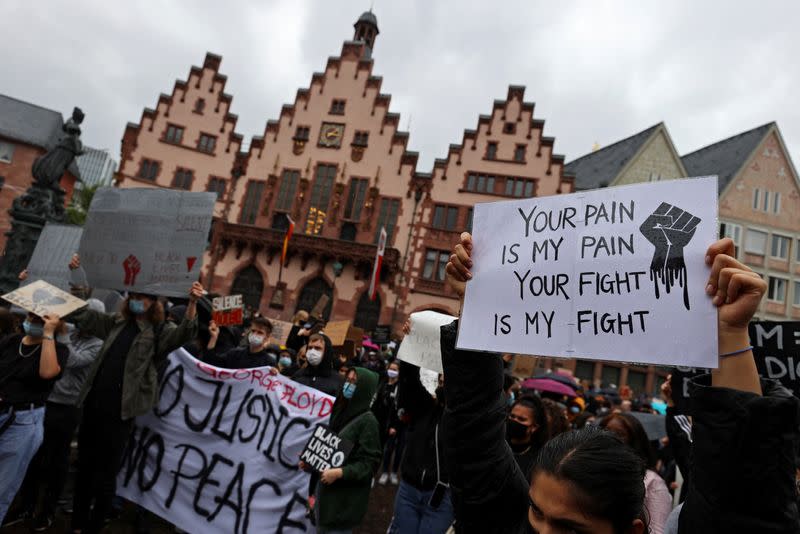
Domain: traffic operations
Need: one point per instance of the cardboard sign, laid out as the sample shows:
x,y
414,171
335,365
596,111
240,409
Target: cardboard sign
x,y
54,249
319,307
356,335
337,332
382,334
422,346
524,366
615,274
280,331
41,298
325,449
146,240
227,311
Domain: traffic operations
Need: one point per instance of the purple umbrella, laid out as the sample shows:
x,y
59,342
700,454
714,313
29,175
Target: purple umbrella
x,y
549,385
567,381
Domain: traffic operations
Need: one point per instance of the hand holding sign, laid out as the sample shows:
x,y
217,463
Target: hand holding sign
x,y
460,262
329,476
51,323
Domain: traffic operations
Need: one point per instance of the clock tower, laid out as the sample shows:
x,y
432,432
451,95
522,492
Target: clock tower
x,y
366,31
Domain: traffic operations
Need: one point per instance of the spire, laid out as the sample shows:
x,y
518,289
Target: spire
x,y
366,31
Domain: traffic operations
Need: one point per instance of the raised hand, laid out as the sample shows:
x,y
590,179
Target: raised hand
x,y
736,289
458,267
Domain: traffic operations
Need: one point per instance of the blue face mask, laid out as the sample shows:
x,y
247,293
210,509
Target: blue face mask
x,y
136,306
286,362
33,330
348,390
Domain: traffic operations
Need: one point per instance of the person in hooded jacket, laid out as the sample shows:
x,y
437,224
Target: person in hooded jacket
x,y
319,373
255,354
343,492
744,434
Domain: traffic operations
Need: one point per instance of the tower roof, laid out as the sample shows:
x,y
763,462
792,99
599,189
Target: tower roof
x,y
368,17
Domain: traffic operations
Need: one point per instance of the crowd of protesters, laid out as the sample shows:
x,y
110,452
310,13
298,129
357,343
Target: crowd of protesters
x,y
476,452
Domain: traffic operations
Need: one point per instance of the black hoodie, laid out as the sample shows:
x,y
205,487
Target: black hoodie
x,y
321,377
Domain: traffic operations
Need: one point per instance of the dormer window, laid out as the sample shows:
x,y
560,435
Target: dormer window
x,y
199,105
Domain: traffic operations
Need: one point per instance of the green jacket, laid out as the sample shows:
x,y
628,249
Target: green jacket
x,y
343,504
140,377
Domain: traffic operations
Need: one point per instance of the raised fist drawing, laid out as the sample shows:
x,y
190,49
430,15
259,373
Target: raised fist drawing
x,y
669,229
132,266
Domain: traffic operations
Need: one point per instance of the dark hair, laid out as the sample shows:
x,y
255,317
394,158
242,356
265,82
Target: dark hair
x,y
154,314
639,442
582,419
542,433
607,478
558,423
263,322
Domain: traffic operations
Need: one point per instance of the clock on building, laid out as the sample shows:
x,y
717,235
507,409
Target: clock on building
x,y
330,135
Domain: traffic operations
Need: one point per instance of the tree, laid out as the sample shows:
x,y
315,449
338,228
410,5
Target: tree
x,y
79,207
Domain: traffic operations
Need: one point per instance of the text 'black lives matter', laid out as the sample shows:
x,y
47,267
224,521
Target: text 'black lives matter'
x,y
669,229
325,449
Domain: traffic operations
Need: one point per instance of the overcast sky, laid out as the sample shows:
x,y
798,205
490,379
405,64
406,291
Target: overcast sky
x,y
598,71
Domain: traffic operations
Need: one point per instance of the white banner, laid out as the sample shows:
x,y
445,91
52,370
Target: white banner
x,y
220,451
422,346
613,274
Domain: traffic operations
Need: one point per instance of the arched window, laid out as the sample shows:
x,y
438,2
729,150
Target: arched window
x,y
311,293
368,312
250,284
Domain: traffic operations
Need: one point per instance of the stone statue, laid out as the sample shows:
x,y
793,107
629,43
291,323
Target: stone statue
x,y
48,169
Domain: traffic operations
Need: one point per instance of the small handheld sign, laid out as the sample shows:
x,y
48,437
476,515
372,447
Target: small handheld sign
x,y
228,311
325,449
41,298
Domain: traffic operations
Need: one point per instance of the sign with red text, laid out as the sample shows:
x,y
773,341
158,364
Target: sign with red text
x,y
228,311
146,240
220,452
612,274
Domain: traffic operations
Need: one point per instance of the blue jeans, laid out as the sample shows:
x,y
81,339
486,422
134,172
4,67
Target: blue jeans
x,y
413,515
18,445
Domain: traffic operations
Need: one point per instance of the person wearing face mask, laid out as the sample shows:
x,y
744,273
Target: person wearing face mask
x,y
526,431
286,365
51,464
30,364
319,373
122,384
255,354
392,429
343,492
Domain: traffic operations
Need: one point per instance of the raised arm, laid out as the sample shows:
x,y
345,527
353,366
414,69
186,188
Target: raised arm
x,y
173,337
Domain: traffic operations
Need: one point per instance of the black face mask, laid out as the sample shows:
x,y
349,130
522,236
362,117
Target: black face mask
x,y
516,430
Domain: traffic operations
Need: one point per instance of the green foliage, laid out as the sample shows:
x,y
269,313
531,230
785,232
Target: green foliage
x,y
79,207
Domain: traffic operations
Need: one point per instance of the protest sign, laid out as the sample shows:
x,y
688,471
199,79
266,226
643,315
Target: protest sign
x,y
356,335
54,249
337,332
219,453
325,450
319,307
41,298
227,311
382,334
280,331
613,274
422,346
146,240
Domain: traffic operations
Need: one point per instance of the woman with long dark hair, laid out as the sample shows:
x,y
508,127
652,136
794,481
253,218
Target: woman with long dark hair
x,y
527,431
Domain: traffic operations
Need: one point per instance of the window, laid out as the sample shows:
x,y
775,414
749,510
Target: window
x,y
387,218
302,133
655,177
510,128
519,187
206,143
435,263
610,375
584,370
796,301
337,107
491,151
355,199
468,224
361,139
174,134
777,289
2,182
252,199
637,381
148,170
756,198
320,197
776,203
445,217
780,247
183,179
6,152
797,251
519,153
280,221
217,185
734,231
756,242
766,200
286,191
480,183
199,105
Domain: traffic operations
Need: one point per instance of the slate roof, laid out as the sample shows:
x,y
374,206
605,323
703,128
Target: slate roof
x,y
726,157
601,167
32,124
369,17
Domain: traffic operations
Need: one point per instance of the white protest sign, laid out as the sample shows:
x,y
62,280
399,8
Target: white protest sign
x,y
422,346
41,298
146,240
54,249
614,274
219,453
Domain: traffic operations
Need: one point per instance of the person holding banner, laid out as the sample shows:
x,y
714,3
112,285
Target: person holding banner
x,y
30,364
744,436
255,354
122,384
